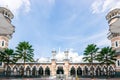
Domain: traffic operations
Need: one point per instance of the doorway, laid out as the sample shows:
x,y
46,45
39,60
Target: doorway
x,y
60,70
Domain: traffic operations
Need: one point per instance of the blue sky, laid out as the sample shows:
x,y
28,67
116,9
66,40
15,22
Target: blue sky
x,y
65,24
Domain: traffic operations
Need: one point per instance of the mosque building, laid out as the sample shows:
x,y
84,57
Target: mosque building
x,y
67,65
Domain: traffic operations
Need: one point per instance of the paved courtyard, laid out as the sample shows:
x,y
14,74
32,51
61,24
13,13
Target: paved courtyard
x,y
57,79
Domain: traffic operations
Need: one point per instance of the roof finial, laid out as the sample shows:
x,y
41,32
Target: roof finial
x,y
59,50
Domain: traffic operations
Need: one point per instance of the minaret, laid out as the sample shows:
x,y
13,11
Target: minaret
x,y
66,54
6,28
113,18
54,54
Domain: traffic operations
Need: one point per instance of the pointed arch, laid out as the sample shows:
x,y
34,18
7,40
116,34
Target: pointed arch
x,y
28,70
79,71
15,70
60,70
15,66
40,71
85,70
47,71
34,66
34,71
92,70
111,71
98,66
104,70
72,71
21,70
8,70
98,71
7,67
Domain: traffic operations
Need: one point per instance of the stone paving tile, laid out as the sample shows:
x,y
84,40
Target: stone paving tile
x,y
55,79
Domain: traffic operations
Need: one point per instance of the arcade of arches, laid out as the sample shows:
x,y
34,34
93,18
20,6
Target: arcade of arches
x,y
49,69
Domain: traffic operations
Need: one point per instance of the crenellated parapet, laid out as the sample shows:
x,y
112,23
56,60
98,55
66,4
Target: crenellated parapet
x,y
7,13
113,18
114,14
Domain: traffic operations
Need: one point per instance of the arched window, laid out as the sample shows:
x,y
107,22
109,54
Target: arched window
x,y
47,71
116,44
40,71
118,62
3,43
72,71
79,71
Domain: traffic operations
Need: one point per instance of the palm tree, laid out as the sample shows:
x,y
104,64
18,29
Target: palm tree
x,y
7,56
107,56
90,55
25,52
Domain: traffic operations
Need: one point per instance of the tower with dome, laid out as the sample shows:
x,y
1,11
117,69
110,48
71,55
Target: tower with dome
x,y
113,18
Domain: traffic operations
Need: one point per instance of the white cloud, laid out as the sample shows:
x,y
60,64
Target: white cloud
x,y
16,5
99,6
60,56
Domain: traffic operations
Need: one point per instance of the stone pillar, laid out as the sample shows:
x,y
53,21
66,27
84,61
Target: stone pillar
x,y
53,63
53,67
66,61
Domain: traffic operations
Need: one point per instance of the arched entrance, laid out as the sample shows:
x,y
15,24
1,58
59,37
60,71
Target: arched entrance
x,y
91,72
60,70
72,71
28,71
47,71
34,71
104,71
21,71
15,71
8,71
79,71
111,71
40,71
85,70
98,71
